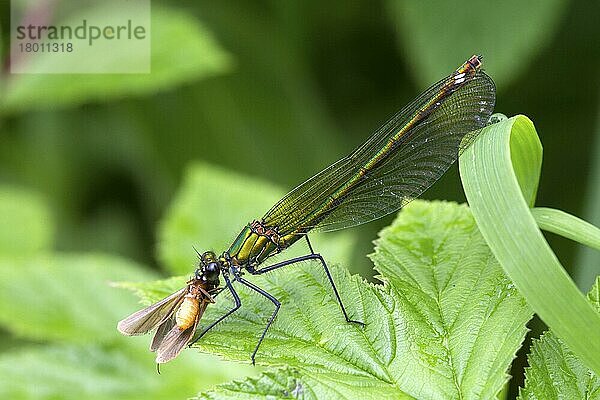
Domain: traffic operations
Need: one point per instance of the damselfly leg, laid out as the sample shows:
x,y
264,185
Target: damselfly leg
x,y
312,256
271,319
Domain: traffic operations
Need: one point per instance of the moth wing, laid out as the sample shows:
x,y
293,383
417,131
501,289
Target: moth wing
x,y
176,339
163,329
145,320
173,342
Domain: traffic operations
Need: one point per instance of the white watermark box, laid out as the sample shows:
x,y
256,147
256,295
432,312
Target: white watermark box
x,y
75,36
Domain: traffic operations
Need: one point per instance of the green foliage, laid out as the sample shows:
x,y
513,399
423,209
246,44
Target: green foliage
x,y
468,317
182,50
500,176
64,297
434,39
279,384
68,372
589,259
28,218
555,372
102,372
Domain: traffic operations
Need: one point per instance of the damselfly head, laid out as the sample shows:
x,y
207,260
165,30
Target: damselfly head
x,y
209,268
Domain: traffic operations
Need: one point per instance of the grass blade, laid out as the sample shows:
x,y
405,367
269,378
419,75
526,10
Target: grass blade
x,y
500,174
566,225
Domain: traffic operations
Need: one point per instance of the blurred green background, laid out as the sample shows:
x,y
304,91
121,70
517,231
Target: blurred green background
x,y
275,91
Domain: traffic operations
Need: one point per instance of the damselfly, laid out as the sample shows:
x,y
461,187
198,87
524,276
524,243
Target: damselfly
x,y
395,165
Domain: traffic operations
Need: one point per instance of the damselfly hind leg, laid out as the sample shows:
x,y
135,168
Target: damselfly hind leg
x,y
312,256
271,319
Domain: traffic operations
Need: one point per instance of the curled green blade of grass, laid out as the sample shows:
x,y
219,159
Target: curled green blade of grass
x,y
500,175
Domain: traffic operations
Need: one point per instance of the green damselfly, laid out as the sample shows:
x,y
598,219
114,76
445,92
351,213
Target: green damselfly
x,y
395,165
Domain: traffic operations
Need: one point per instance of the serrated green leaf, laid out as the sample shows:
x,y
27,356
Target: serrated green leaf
x,y
555,372
508,34
446,324
280,384
212,208
467,318
500,175
65,297
182,50
27,226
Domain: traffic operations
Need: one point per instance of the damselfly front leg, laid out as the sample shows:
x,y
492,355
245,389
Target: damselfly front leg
x,y
236,307
271,319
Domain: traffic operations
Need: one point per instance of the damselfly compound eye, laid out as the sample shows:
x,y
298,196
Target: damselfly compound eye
x,y
211,271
